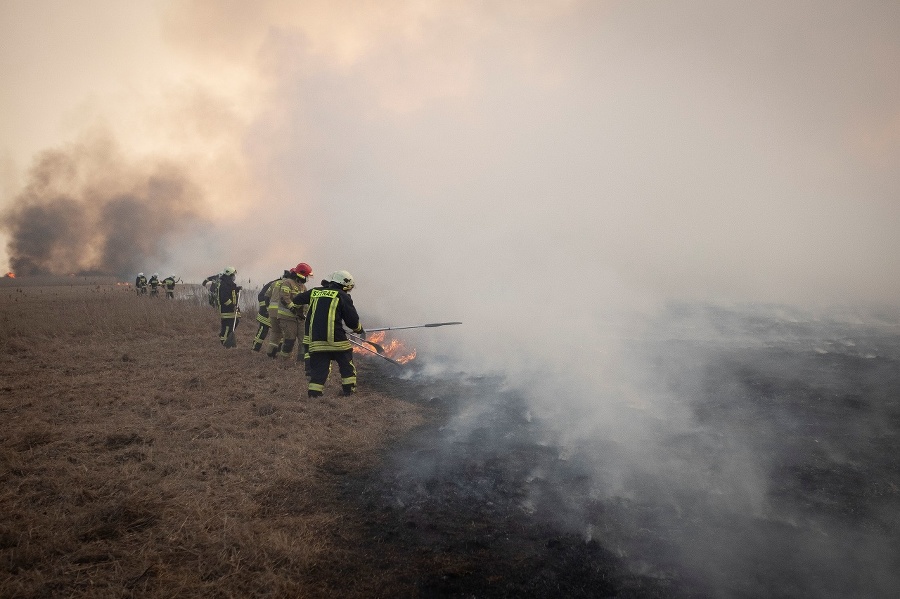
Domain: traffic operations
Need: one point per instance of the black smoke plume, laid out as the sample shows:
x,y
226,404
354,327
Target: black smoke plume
x,y
87,209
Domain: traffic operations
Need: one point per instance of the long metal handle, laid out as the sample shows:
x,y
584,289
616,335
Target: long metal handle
x,y
377,347
372,351
415,326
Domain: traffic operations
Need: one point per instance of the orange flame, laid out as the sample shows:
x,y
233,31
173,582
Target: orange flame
x,y
10,275
393,349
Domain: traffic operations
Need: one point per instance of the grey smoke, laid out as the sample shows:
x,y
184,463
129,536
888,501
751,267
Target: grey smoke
x,y
87,208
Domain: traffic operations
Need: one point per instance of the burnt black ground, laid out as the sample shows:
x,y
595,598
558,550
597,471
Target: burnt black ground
x,y
454,512
500,512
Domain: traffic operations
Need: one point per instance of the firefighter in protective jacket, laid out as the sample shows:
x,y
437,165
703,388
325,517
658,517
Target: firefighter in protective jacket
x,y
330,307
284,316
169,284
140,284
262,317
154,285
213,281
229,311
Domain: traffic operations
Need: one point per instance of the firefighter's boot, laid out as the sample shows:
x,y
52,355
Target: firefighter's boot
x,y
287,346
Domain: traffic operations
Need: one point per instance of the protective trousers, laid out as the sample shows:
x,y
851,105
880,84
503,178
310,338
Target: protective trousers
x,y
284,335
303,356
261,333
263,330
226,330
320,367
275,338
290,328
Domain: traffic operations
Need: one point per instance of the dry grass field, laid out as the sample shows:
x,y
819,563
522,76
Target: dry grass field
x,y
139,458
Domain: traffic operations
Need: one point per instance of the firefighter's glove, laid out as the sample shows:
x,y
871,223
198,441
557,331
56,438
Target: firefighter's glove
x,y
361,332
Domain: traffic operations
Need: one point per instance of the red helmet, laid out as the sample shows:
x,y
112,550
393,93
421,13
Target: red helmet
x,y
302,269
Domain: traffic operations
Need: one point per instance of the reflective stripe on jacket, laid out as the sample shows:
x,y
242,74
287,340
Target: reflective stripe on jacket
x,y
264,296
228,300
328,309
282,292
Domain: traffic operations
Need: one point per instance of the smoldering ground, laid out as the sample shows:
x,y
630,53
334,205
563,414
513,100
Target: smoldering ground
x,y
748,452
86,208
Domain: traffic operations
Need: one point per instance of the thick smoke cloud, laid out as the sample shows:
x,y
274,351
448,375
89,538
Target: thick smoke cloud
x,y
88,209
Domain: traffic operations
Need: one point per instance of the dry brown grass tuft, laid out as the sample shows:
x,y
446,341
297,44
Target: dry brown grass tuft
x,y
139,458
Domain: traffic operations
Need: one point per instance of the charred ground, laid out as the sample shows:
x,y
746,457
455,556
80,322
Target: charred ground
x,y
811,410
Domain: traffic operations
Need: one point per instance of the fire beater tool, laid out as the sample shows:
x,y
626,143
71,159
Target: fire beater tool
x,y
360,344
377,347
415,326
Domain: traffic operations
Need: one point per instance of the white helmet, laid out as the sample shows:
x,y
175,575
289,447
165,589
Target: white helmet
x,y
229,270
171,276
343,278
156,274
140,274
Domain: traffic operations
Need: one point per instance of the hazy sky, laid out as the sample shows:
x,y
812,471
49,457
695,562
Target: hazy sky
x,y
635,150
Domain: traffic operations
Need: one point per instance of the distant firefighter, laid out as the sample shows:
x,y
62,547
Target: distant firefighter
x,y
329,306
169,284
140,284
284,316
213,281
262,317
229,311
154,285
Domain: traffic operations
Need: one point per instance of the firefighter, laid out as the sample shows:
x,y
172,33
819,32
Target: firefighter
x,y
229,311
284,316
140,284
154,285
262,317
274,345
329,306
169,284
213,281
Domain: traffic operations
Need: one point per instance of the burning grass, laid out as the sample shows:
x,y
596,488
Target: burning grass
x,y
140,458
392,348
